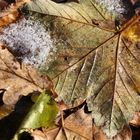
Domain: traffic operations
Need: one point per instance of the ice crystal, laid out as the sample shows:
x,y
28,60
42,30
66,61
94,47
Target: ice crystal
x,y
113,5
29,40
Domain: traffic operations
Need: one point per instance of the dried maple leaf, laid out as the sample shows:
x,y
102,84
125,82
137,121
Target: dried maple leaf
x,y
19,80
77,126
93,62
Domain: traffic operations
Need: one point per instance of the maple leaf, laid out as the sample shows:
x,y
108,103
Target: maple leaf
x,y
17,79
69,131
77,126
93,62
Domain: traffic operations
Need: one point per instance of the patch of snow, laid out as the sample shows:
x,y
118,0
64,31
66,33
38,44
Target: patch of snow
x,y
113,5
29,40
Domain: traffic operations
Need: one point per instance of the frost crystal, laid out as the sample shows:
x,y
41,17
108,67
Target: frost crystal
x,y
29,40
113,5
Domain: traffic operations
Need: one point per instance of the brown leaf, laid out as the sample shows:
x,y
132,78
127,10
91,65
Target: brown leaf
x,y
77,126
5,110
11,14
125,134
80,123
19,80
3,4
136,119
38,135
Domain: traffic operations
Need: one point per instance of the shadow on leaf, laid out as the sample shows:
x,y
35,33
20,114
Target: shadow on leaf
x,y
10,124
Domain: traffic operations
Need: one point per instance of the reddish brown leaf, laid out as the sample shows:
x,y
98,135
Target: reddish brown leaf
x,y
3,4
136,119
11,14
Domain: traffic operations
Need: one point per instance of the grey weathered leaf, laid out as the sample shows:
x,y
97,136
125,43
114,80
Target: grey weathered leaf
x,y
92,62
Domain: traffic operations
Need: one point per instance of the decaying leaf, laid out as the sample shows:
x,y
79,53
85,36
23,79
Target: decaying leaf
x,y
17,79
93,62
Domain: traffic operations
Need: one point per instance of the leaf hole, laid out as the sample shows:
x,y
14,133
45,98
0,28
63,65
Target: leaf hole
x,y
66,58
1,95
95,22
86,109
